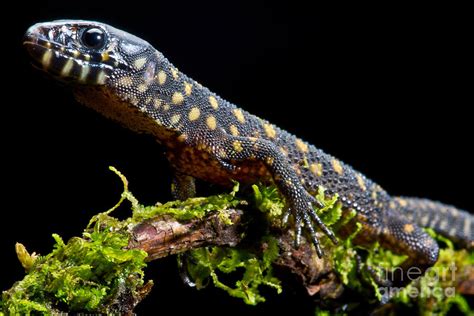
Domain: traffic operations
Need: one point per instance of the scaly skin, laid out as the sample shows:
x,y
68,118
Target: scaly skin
x,y
127,80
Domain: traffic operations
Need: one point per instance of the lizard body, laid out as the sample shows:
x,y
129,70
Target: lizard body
x,y
206,137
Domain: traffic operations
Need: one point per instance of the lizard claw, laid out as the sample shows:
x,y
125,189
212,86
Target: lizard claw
x,y
315,201
305,213
226,165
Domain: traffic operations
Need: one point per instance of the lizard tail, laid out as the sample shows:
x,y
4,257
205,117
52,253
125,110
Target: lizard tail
x,y
447,220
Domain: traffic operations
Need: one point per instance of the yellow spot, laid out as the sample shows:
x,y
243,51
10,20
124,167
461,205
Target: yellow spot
x,y
297,169
182,138
157,103
284,151
161,77
125,81
67,67
424,220
237,146
402,202
166,106
188,88
211,122
139,63
374,195
134,100
174,72
361,182
213,102
222,153
269,130
443,224
105,56
75,53
194,114
142,87
392,205
336,165
101,78
269,160
234,130
467,227
84,72
239,115
256,133
177,98
302,146
87,57
316,169
408,228
175,119
452,210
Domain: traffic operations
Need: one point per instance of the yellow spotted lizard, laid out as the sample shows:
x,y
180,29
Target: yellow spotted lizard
x,y
126,79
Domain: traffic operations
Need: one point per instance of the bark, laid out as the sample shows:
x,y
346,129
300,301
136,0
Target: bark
x,y
164,235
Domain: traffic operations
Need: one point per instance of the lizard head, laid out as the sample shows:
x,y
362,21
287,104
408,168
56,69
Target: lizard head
x,y
107,68
84,52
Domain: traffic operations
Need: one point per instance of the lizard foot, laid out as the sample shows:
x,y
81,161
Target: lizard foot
x,y
304,213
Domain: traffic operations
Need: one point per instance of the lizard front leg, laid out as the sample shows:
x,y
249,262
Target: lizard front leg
x,y
234,149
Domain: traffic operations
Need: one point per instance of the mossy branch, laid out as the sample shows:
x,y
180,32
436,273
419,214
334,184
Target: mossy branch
x,y
102,271
164,235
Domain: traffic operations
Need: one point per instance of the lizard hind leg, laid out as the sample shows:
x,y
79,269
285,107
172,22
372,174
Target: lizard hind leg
x,y
183,186
403,237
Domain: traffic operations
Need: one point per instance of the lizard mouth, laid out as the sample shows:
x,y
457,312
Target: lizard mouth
x,y
53,55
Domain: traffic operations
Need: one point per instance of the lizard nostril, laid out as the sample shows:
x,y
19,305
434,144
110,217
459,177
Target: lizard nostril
x,y
33,34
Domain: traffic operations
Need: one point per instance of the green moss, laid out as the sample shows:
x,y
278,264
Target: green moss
x,y
268,200
254,265
257,269
84,274
88,273
435,292
432,294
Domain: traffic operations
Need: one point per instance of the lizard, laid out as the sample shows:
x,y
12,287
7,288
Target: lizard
x,y
206,137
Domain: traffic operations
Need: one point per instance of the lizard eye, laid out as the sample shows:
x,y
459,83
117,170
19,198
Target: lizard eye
x,y
93,38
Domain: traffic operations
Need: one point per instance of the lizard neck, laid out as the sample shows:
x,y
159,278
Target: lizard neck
x,y
155,98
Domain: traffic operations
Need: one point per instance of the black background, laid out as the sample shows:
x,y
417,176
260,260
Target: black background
x,y
386,89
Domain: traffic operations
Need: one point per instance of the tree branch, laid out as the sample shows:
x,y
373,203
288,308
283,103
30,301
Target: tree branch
x,y
164,235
